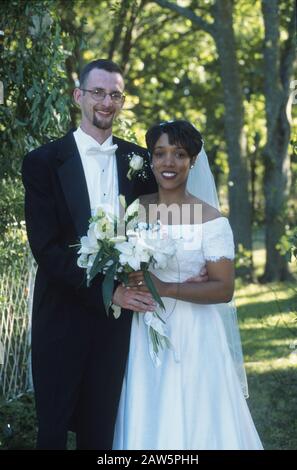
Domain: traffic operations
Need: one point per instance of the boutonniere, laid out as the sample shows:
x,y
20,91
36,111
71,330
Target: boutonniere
x,y
136,166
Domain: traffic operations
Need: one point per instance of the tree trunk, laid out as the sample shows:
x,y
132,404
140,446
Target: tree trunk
x,y
253,172
223,34
240,208
278,70
73,63
127,41
120,20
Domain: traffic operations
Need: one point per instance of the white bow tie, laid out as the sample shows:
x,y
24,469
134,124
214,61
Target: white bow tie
x,y
98,150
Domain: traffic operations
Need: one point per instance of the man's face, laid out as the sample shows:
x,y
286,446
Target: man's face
x,y
100,113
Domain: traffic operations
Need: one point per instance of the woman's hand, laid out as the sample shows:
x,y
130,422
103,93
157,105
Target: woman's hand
x,y
137,281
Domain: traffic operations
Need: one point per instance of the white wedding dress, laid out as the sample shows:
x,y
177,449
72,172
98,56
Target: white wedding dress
x,y
193,399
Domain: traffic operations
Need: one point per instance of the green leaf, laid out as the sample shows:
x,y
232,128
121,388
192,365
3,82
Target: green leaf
x,y
94,270
124,278
100,265
152,289
160,318
108,285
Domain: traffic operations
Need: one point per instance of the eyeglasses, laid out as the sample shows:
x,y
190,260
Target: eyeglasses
x,y
98,94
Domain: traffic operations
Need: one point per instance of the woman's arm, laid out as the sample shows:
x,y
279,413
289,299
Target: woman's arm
x,y
218,289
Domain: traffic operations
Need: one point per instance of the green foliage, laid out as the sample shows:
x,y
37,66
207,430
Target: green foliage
x,y
242,261
18,423
288,244
36,91
11,203
13,246
125,128
171,69
33,73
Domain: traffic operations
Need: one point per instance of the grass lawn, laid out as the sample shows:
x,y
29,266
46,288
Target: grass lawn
x,y
268,322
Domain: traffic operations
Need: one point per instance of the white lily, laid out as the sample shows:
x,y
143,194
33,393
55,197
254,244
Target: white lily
x,y
103,228
126,248
132,210
131,261
89,244
82,261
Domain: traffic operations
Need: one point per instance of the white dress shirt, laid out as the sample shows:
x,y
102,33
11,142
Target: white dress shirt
x,y
100,168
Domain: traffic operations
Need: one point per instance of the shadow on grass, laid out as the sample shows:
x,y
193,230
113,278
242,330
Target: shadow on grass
x,y
259,310
273,342
268,328
273,404
265,291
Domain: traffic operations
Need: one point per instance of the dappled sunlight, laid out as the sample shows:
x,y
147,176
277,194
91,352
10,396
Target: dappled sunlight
x,y
261,310
273,353
269,339
259,258
282,321
251,293
259,254
265,365
262,306
269,328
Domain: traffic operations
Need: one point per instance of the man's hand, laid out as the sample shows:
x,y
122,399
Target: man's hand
x,y
201,277
133,299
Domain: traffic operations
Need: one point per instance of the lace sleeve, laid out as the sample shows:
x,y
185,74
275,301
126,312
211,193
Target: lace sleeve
x,y
217,240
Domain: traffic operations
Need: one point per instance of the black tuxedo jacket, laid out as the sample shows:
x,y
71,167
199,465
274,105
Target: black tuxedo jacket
x,y
70,328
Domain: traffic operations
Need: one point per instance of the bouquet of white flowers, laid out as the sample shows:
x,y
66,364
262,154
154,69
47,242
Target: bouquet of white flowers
x,y
117,248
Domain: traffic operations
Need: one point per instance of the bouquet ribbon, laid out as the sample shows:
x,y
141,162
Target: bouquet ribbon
x,y
154,322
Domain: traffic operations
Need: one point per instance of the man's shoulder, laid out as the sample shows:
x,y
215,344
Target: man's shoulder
x,y
49,149
128,146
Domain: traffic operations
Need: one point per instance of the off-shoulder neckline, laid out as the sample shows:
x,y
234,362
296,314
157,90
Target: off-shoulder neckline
x,y
194,225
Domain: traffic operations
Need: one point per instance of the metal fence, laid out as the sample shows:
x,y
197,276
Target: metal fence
x,y
16,291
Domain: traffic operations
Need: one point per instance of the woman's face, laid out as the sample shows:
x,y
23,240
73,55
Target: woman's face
x,y
171,164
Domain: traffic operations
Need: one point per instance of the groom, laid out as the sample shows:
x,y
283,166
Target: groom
x,y
78,353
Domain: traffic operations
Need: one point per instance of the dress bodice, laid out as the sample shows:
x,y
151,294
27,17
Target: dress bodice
x,y
195,245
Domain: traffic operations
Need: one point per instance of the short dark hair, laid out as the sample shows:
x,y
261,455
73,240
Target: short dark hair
x,y
103,64
179,132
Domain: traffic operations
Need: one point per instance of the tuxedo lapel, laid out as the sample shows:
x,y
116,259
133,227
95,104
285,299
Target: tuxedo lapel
x,y
74,184
125,186
73,181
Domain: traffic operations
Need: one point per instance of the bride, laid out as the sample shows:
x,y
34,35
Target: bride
x,y
192,396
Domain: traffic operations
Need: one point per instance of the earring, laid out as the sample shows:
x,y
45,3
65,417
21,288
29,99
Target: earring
x,y
192,166
152,166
